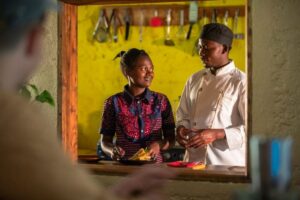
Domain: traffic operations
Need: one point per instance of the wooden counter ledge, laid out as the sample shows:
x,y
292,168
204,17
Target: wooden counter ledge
x,y
210,173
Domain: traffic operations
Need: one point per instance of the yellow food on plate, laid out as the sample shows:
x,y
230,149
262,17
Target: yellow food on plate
x,y
199,167
141,154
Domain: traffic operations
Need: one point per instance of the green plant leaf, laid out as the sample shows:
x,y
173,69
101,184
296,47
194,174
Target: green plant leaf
x,y
25,92
34,88
31,92
45,97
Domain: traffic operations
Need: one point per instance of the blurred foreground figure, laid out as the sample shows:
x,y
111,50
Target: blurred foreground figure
x,y
33,165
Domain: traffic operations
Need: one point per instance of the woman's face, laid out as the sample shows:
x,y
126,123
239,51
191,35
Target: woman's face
x,y
142,74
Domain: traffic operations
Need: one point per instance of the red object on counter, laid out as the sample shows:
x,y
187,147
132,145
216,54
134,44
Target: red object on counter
x,y
183,164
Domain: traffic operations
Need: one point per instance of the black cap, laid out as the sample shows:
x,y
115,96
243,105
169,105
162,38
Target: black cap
x,y
15,14
218,33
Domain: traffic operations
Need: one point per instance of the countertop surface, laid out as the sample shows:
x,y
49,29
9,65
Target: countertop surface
x,y
219,173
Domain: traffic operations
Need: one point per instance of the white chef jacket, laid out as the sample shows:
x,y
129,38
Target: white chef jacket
x,y
216,102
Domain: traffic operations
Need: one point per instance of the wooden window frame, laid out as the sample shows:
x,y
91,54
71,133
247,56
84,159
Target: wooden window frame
x,y
67,79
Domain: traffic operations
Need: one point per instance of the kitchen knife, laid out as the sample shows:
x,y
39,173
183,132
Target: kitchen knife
x,y
127,20
235,30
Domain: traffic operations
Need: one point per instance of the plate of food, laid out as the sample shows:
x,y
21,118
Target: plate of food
x,y
141,157
193,165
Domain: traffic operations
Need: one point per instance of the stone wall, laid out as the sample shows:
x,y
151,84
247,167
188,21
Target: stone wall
x,y
276,93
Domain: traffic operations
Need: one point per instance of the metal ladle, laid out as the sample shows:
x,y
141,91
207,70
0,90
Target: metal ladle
x,y
168,40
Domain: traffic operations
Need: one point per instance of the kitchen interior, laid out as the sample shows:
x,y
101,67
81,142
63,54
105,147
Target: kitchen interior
x,y
163,30
266,49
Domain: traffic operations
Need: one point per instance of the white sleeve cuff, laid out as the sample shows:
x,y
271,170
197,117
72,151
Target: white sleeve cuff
x,y
235,137
184,123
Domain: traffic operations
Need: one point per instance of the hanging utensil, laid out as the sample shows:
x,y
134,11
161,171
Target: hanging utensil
x,y
119,22
114,24
181,33
193,17
225,18
168,40
156,20
115,30
204,18
127,20
111,24
97,24
195,49
235,22
141,26
235,30
214,16
101,33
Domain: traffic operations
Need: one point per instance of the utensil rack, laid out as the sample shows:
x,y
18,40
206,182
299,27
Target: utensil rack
x,y
148,11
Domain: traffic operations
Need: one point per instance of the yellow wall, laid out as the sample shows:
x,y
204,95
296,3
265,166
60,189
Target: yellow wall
x,y
99,76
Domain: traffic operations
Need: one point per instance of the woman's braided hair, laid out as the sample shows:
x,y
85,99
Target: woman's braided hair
x,y
129,58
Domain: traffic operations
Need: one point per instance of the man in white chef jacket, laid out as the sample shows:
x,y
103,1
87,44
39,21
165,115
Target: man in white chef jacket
x,y
211,112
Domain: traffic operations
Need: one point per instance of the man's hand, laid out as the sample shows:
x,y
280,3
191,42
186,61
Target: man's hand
x,y
146,183
154,149
182,135
205,137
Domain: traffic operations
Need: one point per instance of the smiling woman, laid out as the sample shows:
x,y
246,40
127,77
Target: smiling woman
x,y
98,73
139,117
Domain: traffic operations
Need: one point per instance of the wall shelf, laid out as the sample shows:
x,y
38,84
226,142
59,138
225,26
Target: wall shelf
x,y
102,2
148,12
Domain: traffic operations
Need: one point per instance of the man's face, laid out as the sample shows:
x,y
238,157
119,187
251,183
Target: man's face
x,y
211,53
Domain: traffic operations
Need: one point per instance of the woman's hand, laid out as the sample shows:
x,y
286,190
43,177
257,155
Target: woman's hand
x,y
117,153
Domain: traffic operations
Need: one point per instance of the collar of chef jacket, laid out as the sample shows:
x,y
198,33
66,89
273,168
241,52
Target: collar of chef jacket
x,y
224,70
